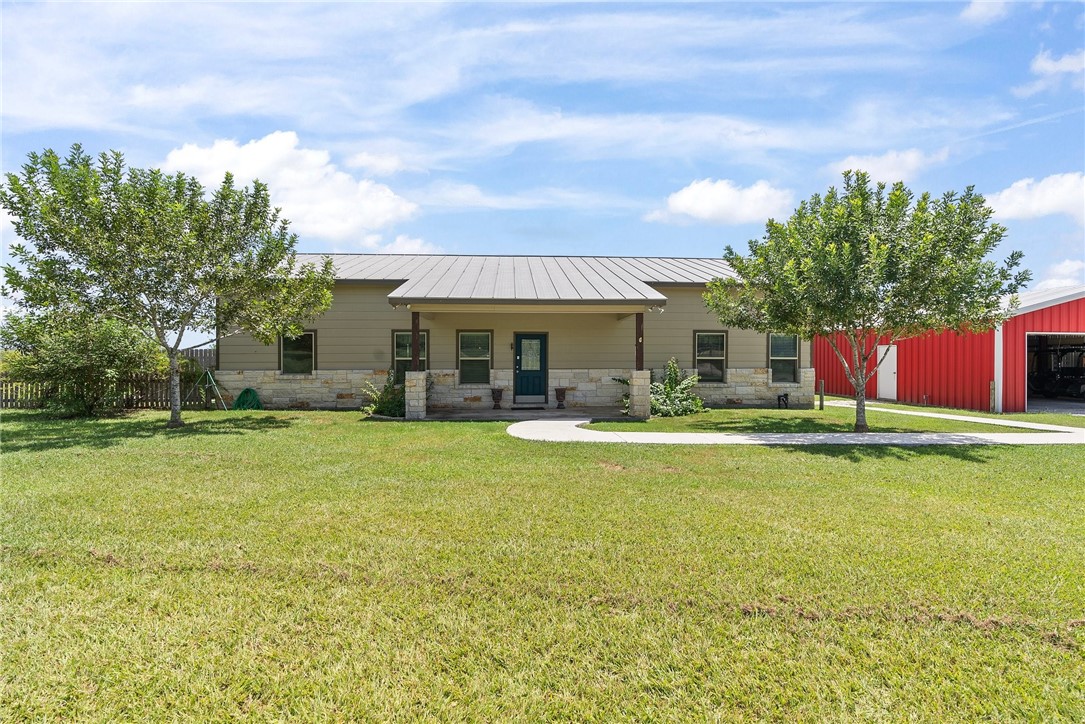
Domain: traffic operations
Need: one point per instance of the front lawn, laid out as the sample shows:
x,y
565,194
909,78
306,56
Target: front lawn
x,y
316,566
831,419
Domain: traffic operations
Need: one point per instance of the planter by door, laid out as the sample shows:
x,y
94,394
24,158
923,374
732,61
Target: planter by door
x,y
529,381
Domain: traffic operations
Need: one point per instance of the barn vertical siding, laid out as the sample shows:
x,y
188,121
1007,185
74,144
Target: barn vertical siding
x,y
940,368
957,370
827,367
947,369
1066,318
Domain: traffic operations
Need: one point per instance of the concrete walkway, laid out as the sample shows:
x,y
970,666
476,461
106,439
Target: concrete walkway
x,y
569,430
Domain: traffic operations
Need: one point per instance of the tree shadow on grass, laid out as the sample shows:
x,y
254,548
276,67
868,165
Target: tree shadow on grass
x,y
770,422
859,453
26,431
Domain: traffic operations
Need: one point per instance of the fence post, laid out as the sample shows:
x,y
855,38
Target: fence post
x,y
821,394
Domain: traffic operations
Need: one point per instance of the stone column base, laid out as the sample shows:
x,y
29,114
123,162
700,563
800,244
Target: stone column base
x,y
640,394
414,390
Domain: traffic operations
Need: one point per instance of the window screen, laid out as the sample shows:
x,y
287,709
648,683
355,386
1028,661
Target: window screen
x,y
711,355
298,354
474,358
784,357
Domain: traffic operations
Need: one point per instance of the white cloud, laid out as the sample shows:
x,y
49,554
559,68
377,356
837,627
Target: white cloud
x,y
982,12
1067,273
501,126
320,200
724,202
891,166
1028,198
378,164
1044,64
1052,71
464,196
404,244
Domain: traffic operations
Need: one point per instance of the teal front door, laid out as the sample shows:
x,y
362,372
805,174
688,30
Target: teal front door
x,y
529,380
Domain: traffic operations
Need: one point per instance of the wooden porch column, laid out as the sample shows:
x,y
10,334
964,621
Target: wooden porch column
x,y
640,340
414,341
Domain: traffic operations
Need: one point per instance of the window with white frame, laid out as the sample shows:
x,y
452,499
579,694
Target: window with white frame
x,y
297,355
710,355
474,357
401,353
784,357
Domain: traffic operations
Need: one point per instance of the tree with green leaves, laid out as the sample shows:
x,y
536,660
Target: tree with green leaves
x,y
156,252
873,265
77,359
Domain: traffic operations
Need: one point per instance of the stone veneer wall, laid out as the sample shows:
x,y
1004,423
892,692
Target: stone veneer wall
x,y
585,388
345,389
751,388
322,390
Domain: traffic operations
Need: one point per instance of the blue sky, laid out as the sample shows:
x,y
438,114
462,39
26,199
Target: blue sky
x,y
569,129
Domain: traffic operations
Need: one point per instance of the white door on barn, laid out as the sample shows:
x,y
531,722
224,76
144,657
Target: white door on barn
x,y
887,373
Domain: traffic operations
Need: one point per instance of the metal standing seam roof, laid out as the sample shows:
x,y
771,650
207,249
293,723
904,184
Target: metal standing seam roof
x,y
524,279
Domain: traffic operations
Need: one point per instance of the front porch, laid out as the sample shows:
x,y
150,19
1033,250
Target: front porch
x,y
436,394
598,414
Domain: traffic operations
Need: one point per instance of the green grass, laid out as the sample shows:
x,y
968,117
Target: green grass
x,y
311,565
831,419
1045,418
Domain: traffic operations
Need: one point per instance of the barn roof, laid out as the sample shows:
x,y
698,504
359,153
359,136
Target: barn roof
x,y
1043,298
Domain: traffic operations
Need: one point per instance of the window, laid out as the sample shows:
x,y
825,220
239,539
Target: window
x,y
298,355
784,357
474,358
401,353
710,355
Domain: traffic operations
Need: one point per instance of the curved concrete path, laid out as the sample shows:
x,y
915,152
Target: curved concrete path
x,y
571,431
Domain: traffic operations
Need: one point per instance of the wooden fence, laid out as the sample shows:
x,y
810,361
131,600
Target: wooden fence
x,y
146,392
204,355
19,394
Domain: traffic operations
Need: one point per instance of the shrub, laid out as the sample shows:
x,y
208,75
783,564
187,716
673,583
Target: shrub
x,y
79,359
391,401
673,397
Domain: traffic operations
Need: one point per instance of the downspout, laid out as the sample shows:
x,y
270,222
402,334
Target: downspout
x,y
998,368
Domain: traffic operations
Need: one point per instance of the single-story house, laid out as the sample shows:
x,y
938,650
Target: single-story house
x,y
1037,354
525,325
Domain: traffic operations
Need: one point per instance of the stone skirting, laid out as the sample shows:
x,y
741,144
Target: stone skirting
x,y
751,388
321,390
345,389
584,388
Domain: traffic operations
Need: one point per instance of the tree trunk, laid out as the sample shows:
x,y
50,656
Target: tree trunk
x,y
175,391
860,408
859,380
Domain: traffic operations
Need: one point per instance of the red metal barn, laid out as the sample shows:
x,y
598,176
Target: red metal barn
x,y
1038,354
